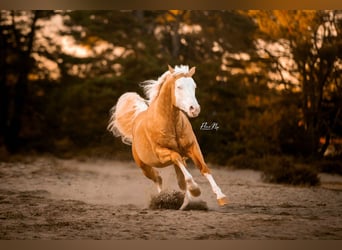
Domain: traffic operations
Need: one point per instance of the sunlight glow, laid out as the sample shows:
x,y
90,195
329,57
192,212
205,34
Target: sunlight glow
x,y
281,51
70,47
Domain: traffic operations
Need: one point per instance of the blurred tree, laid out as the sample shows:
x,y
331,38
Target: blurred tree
x,y
17,34
122,41
306,46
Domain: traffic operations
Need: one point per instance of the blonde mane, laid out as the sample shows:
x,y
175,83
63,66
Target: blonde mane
x,y
152,87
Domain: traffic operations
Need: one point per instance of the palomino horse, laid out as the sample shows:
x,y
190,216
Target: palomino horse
x,y
160,132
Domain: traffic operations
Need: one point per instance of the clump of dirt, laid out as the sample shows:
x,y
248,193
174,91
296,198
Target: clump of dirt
x,y
174,200
167,200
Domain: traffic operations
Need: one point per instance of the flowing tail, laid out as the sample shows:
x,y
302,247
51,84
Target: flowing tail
x,y
122,115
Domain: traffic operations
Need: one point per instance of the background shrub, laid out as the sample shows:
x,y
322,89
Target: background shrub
x,y
284,171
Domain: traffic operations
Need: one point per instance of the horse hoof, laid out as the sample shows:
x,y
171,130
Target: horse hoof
x,y
195,205
222,201
195,192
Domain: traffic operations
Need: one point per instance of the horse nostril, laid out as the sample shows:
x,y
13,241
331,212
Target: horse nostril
x,y
192,108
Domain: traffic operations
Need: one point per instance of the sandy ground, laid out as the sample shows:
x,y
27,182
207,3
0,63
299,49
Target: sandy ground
x,y
49,198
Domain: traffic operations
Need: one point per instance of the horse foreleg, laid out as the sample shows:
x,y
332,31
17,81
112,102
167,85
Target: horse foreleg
x,y
187,199
196,155
180,178
221,197
167,155
191,185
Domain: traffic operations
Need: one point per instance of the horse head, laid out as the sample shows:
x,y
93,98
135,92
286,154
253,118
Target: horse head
x,y
184,90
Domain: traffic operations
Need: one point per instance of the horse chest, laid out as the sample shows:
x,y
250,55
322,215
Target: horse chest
x,y
172,141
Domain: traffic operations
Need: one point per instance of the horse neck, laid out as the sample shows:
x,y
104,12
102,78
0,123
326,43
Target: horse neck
x,y
165,108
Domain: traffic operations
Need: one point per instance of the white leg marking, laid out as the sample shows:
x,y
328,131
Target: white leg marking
x,y
186,173
188,177
159,188
187,199
214,186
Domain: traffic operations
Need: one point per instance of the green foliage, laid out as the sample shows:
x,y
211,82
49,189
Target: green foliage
x,y
73,117
284,171
331,166
244,161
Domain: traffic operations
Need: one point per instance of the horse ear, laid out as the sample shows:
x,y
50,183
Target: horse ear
x,y
171,69
192,71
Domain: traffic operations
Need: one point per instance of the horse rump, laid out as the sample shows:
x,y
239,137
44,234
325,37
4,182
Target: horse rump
x,y
122,115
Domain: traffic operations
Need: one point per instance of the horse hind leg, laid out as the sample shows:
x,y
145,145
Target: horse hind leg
x,y
153,175
149,171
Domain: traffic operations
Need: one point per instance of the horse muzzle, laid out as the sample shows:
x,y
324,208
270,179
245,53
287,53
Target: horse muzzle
x,y
194,111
